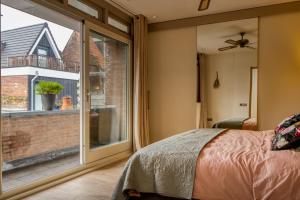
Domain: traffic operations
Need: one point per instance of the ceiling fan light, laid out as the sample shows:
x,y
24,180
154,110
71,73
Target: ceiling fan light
x,y
204,4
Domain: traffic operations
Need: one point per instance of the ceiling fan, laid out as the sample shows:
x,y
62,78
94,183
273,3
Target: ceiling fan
x,y
204,4
242,43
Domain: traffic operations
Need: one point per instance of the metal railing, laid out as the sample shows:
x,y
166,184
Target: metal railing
x,y
44,62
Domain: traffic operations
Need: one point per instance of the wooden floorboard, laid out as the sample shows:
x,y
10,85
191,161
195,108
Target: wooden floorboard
x,y
95,185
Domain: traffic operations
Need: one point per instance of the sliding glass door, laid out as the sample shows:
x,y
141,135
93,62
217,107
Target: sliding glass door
x,y
107,92
40,48
44,136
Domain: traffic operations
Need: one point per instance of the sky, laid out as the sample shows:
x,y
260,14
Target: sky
x,y
12,18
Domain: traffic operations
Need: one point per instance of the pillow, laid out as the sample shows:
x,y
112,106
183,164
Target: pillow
x,y
287,134
287,122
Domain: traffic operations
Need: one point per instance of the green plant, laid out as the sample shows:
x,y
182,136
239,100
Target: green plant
x,y
48,87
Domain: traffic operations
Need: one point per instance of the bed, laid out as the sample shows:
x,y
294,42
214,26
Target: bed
x,y
235,164
238,123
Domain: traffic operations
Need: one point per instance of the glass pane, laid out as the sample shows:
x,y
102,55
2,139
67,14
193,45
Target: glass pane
x,y
84,8
117,24
42,52
108,90
40,131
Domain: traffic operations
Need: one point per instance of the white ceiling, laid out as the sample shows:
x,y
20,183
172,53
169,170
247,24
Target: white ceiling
x,y
211,37
164,10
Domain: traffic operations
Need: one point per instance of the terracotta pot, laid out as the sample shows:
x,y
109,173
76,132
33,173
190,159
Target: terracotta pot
x,y
67,103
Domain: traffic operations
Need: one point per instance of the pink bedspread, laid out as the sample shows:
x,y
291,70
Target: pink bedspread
x,y
238,165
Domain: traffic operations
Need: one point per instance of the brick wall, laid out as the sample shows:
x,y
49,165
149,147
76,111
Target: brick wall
x,y
14,92
71,51
32,133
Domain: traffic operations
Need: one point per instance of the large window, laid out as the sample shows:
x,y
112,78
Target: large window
x,y
107,87
38,141
108,59
55,116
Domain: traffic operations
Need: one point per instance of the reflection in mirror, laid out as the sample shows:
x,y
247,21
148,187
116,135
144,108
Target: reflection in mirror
x,y
227,54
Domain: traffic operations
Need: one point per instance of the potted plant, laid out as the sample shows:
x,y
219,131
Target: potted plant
x,y
48,90
67,103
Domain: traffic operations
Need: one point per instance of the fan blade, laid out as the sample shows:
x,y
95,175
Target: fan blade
x,y
227,48
233,42
250,47
237,29
252,32
204,4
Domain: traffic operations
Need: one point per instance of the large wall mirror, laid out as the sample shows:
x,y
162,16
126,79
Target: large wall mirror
x,y
227,61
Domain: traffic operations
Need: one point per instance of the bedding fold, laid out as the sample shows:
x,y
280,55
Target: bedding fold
x,y
166,167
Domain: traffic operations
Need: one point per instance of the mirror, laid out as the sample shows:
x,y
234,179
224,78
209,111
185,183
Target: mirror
x,y
227,54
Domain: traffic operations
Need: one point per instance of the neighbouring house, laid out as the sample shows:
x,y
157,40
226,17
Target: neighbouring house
x,y
28,55
97,72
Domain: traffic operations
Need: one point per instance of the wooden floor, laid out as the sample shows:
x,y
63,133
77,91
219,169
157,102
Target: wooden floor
x,y
94,185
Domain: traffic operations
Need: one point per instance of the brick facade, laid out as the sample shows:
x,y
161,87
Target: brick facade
x,y
71,51
30,134
14,92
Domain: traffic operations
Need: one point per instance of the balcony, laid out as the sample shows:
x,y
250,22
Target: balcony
x,y
44,62
38,144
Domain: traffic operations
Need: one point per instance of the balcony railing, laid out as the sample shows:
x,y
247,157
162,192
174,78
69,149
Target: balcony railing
x,y
44,62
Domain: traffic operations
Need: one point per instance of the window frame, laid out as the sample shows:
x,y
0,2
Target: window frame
x,y
91,155
62,7
107,10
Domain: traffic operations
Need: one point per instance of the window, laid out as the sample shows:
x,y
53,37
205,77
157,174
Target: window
x,y
108,89
117,24
38,143
88,120
42,52
42,57
84,8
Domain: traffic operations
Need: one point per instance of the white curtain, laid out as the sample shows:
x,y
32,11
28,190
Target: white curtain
x,y
203,92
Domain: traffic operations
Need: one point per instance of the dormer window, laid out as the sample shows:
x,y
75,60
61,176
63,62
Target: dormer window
x,y
42,52
42,57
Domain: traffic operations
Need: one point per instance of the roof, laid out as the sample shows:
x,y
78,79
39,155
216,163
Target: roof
x,y
19,41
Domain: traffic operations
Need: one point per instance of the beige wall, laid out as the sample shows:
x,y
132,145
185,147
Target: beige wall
x,y
234,75
279,68
172,81
172,78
